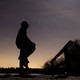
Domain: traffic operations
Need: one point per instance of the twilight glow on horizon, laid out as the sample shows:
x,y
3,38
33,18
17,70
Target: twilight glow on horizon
x,y
52,24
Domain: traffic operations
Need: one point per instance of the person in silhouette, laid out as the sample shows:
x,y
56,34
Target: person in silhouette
x,y
26,46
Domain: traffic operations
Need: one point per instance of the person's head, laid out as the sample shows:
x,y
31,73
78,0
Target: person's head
x,y
24,25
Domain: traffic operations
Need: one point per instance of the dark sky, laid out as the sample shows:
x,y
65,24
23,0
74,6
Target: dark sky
x,y
52,24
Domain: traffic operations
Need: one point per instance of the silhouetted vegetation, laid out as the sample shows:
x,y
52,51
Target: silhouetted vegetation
x,y
69,60
16,70
74,57
47,65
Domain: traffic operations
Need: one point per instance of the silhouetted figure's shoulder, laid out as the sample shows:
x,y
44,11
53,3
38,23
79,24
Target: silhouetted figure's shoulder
x,y
20,38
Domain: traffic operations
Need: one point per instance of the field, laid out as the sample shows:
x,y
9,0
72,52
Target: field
x,y
43,77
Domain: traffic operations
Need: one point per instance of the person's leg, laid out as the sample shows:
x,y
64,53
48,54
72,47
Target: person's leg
x,y
26,66
20,64
21,68
23,63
